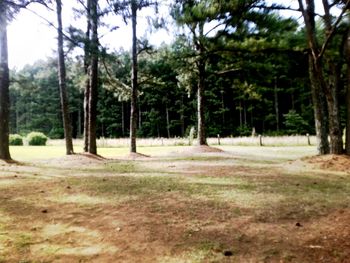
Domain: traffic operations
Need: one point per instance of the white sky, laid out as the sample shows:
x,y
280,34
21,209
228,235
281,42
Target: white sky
x,y
31,39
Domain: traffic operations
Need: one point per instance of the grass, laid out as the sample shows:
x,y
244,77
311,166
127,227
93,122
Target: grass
x,y
31,153
169,208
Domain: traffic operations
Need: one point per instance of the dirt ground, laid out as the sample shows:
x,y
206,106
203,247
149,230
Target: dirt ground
x,y
205,205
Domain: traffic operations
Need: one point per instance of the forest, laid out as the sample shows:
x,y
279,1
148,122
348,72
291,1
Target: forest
x,y
235,68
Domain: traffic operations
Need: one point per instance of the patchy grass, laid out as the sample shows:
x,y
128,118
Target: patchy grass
x,y
242,205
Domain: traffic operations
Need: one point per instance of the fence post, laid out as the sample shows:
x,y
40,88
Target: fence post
x,y
260,140
308,139
218,139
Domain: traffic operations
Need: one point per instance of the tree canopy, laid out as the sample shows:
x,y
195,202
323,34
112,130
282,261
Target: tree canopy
x,y
233,67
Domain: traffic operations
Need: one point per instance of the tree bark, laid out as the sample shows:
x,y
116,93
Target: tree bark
x,y
347,56
276,106
86,115
67,125
123,119
87,82
182,116
93,74
201,136
167,120
332,95
134,83
200,106
4,86
320,111
318,87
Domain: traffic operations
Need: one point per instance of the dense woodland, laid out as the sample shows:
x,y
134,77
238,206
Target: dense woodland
x,y
235,68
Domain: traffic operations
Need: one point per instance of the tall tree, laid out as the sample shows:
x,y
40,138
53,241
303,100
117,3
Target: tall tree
x,y
122,8
134,82
62,82
194,15
93,77
4,85
326,83
86,71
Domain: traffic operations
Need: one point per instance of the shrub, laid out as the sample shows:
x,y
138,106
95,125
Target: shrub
x,y
56,133
244,130
36,138
16,139
295,124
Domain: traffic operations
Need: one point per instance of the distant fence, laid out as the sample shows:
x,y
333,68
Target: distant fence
x,y
297,140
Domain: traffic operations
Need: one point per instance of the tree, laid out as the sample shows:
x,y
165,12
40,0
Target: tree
x,y
347,56
62,82
4,85
87,82
325,85
122,8
93,77
194,16
134,82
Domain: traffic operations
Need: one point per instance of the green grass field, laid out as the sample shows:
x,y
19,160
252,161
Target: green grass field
x,y
31,153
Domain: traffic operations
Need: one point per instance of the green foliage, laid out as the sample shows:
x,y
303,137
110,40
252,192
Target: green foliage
x,y
295,124
244,130
246,58
36,138
56,133
16,139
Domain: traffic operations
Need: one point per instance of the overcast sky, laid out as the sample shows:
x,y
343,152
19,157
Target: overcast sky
x,y
31,39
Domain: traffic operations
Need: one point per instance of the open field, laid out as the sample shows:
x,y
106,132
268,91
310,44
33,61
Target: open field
x,y
245,204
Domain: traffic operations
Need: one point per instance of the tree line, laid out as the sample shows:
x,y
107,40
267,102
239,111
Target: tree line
x,y
234,68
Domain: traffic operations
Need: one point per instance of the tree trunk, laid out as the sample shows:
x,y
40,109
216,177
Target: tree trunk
x,y
167,120
316,77
86,115
123,119
200,106
332,94
347,56
240,114
320,111
133,110
276,106
62,83
93,74
182,117
4,86
223,109
87,82
347,140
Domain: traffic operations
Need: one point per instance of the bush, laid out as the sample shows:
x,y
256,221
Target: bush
x,y
36,138
16,139
244,130
56,133
295,124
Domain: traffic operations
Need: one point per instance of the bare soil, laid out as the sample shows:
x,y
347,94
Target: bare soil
x,y
83,208
330,162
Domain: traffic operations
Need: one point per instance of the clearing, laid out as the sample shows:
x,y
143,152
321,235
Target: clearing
x,y
245,204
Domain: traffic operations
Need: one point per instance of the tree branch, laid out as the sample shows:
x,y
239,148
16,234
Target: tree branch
x,y
333,30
